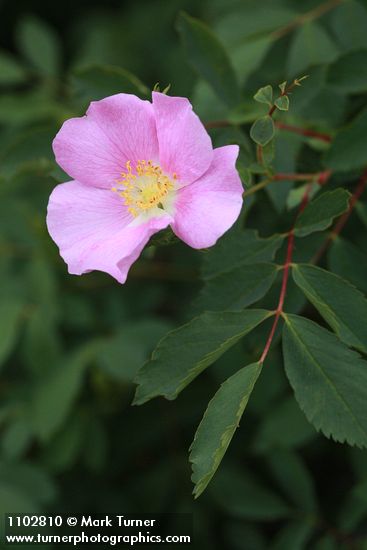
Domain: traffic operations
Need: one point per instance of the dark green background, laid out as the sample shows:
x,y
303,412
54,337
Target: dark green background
x,y
70,440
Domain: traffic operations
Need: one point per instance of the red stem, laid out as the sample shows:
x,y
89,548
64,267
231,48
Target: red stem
x,y
356,195
290,247
320,178
283,291
217,124
259,154
272,109
303,131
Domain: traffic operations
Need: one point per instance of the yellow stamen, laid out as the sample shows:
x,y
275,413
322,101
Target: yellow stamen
x,y
144,186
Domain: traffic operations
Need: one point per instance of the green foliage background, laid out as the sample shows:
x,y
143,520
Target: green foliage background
x,y
71,347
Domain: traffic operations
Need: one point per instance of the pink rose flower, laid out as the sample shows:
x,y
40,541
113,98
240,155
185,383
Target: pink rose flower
x,y
138,167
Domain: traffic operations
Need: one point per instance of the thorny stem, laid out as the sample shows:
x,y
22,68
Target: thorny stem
x,y
287,264
343,219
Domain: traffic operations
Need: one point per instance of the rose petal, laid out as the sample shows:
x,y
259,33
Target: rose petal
x,y
185,147
94,149
94,230
209,207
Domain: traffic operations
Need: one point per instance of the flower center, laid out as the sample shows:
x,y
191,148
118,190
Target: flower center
x,y
144,186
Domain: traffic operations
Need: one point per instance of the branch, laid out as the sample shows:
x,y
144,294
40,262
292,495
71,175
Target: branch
x,y
283,291
319,177
303,131
217,124
306,17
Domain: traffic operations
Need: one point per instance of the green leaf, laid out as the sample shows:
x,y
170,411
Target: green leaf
x,y
29,107
29,479
340,303
11,72
237,259
294,535
39,44
349,23
247,55
349,262
41,349
244,21
209,58
287,148
185,352
282,103
95,446
270,386
238,532
242,495
220,421
123,355
353,509
256,168
268,153
294,478
16,438
265,95
98,81
349,73
30,147
236,288
311,45
13,500
64,447
24,488
296,195
319,214
237,248
10,316
329,380
283,86
53,398
285,428
246,111
262,131
305,95
348,151
246,32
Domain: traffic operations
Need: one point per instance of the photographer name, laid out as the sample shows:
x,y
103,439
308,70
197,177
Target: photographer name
x,y
115,521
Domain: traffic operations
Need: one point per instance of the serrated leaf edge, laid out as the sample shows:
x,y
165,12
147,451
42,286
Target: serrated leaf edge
x,y
218,454
317,425
194,370
318,300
